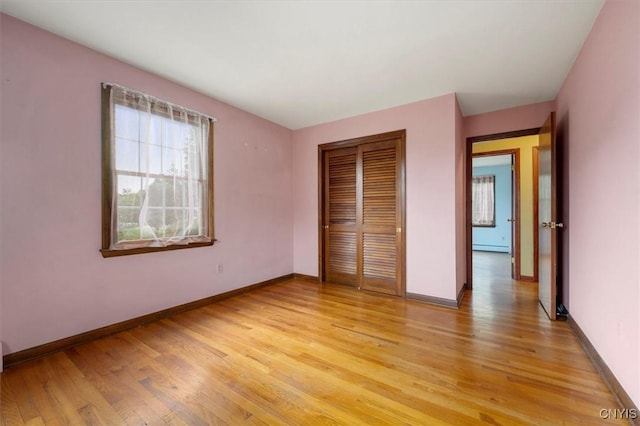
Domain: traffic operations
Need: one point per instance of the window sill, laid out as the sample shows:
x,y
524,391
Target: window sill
x,y
140,250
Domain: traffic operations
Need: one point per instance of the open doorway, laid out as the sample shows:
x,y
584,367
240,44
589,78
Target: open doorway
x,y
508,249
495,194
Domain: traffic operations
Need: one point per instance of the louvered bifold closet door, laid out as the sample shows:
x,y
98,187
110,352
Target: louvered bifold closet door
x,y
341,234
381,218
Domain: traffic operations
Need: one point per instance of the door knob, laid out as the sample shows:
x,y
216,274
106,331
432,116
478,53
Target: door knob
x,y
511,220
552,225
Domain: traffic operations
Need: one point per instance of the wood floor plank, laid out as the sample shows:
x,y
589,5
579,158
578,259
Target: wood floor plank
x,y
279,361
132,405
281,401
9,411
36,421
177,368
299,352
32,398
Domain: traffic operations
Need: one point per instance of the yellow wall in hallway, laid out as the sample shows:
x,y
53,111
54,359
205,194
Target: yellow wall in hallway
x,y
526,144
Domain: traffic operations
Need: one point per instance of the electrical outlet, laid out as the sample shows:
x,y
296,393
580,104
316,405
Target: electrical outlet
x,y
220,268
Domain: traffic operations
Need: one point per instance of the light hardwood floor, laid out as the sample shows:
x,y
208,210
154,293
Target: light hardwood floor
x,y
305,354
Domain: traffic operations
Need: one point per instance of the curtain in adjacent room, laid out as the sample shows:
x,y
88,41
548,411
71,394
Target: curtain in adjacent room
x,y
483,201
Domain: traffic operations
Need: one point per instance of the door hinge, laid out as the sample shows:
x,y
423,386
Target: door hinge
x,y
513,259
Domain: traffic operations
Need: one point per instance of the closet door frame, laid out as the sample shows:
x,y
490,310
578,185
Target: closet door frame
x,y
400,136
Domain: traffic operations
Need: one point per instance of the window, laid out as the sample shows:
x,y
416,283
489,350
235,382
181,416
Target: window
x,y
483,212
157,177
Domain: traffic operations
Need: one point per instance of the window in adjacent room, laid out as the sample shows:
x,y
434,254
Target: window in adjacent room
x,y
157,174
483,201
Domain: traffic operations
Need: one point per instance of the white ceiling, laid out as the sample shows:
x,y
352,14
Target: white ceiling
x,y
300,63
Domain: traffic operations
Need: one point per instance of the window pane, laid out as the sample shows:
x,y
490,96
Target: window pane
x,y
156,192
126,122
130,186
176,193
151,159
128,224
127,155
128,207
193,164
175,222
172,162
174,134
202,196
155,220
150,128
195,222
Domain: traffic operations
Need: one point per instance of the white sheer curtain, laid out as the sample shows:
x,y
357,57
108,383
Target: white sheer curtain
x,y
483,201
160,166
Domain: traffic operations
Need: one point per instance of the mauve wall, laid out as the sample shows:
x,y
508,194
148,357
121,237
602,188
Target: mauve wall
x,y
55,282
507,120
461,205
430,185
599,120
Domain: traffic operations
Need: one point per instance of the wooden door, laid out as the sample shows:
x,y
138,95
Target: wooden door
x,y
362,213
548,223
512,220
381,220
341,230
